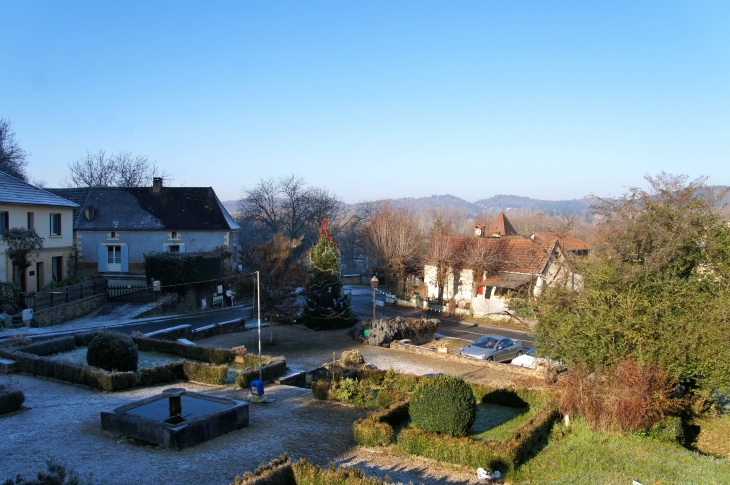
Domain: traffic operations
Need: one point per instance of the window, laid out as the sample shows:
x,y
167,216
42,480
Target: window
x,y
4,222
55,224
174,248
174,235
113,235
113,258
57,268
31,220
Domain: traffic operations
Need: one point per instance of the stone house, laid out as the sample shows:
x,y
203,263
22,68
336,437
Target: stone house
x,y
114,227
23,205
510,265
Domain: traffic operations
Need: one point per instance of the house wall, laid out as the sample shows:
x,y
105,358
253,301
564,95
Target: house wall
x,y
144,242
53,246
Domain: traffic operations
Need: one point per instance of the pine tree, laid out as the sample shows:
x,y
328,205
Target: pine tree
x,y
326,307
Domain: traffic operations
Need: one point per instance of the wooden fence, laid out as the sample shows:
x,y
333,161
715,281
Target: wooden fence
x,y
132,294
65,294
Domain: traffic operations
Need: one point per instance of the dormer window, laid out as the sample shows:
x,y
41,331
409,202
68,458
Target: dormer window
x,y
174,235
113,235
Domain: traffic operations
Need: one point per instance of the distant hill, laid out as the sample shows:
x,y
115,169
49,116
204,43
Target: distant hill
x,y
443,202
550,207
230,205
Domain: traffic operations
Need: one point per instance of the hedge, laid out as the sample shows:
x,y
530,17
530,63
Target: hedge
x,y
11,401
205,373
283,472
376,429
275,368
194,352
461,451
180,268
50,347
513,397
531,433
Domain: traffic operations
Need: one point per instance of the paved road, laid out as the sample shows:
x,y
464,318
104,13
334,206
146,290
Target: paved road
x,y
362,302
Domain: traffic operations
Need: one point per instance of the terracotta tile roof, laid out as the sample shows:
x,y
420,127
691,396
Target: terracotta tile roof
x,y
567,240
513,254
15,191
501,226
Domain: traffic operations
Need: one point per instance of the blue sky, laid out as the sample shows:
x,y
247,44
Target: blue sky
x,y
551,100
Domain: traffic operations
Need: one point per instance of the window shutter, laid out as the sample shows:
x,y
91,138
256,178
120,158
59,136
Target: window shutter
x,y
125,259
182,248
165,248
102,259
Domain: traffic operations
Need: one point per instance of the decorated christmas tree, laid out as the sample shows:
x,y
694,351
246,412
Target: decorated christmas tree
x,y
325,306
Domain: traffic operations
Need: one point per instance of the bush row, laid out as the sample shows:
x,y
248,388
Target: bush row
x,y
282,472
384,330
50,347
11,401
194,352
275,368
376,429
117,381
75,374
461,451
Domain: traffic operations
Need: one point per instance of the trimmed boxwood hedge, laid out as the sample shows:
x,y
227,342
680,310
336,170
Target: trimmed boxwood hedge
x,y
194,352
112,351
376,429
283,472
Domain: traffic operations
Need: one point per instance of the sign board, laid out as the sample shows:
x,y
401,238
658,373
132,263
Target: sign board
x,y
220,288
379,303
218,300
156,285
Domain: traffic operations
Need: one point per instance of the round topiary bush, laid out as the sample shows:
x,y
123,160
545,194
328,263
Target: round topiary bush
x,y
112,351
443,404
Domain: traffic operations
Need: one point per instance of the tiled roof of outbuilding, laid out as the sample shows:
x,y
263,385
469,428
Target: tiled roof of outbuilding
x,y
501,226
511,254
567,239
143,209
15,191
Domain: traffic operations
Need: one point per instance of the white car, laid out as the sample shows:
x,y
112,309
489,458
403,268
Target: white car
x,y
529,360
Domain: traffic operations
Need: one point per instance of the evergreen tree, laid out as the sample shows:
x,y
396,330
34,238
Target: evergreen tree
x,y
325,306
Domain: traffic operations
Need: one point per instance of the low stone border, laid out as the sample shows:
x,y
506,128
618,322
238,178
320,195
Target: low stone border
x,y
172,333
187,331
508,368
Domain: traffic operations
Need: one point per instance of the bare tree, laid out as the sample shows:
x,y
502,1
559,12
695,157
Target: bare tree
x,y
21,243
285,204
12,156
482,256
441,254
392,238
120,170
281,271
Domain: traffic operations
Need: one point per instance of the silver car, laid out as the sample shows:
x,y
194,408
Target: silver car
x,y
494,347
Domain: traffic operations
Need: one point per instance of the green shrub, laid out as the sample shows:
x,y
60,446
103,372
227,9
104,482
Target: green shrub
x,y
112,351
535,430
443,404
346,390
668,429
385,397
320,390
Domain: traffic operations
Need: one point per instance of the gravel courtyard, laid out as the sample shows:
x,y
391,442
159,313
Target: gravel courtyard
x,y
62,420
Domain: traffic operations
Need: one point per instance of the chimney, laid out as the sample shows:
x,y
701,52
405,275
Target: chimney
x,y
89,212
156,184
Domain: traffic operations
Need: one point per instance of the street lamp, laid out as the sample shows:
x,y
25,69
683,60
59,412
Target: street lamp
x,y
374,284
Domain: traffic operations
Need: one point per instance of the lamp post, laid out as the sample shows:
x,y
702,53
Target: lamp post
x,y
374,284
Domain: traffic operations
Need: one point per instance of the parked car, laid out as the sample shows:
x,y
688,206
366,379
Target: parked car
x,y
494,347
530,360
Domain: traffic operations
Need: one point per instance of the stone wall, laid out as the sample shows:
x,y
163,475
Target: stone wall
x,y
68,311
504,368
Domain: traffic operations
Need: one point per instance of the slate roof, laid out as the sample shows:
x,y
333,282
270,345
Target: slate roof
x,y
567,239
15,191
142,209
511,254
501,226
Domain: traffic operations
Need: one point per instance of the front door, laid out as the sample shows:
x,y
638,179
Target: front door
x,y
40,277
114,258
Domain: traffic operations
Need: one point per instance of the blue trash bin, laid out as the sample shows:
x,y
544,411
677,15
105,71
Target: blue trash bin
x,y
257,388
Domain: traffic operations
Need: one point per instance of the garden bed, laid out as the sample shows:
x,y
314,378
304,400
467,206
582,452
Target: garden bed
x,y
46,359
